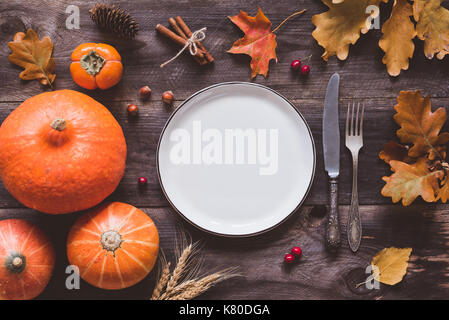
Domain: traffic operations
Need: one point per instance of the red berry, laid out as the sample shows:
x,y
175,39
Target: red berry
x,y
296,64
143,181
305,70
296,251
289,258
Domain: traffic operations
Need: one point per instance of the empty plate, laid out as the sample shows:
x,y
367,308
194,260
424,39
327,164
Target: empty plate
x,y
236,159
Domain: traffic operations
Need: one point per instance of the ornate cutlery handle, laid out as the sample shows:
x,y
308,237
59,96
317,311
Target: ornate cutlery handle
x,y
354,224
333,226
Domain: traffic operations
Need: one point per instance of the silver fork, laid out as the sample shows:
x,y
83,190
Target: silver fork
x,y
354,142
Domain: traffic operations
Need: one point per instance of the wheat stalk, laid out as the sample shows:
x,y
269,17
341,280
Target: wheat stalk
x,y
193,288
163,279
184,283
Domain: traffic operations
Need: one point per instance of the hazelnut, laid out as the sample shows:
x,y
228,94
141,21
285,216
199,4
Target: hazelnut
x,y
168,97
145,92
132,109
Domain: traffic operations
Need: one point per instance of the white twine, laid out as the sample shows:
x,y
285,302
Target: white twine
x,y
197,36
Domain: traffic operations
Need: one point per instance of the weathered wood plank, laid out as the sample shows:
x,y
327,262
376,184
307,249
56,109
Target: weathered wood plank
x,y
363,74
318,274
142,135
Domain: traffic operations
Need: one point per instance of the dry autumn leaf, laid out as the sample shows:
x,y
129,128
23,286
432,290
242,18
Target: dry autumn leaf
x,y
433,27
419,125
341,26
398,33
410,181
259,41
34,56
395,151
420,170
390,265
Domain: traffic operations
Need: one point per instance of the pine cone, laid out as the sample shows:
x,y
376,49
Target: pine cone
x,y
113,19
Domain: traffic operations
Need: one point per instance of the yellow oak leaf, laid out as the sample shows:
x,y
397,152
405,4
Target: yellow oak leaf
x,y
419,125
418,5
389,265
433,27
339,27
34,56
398,32
259,41
410,181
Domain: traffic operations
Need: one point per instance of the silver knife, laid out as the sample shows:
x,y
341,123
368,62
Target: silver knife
x,y
331,150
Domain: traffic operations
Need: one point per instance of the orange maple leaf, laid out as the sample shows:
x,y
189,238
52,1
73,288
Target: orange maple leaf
x,y
259,41
410,181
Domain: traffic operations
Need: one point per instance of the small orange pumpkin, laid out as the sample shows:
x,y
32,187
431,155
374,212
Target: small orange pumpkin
x,y
114,246
61,152
27,259
96,66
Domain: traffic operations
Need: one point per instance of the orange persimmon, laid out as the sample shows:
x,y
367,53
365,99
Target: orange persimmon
x,y
96,65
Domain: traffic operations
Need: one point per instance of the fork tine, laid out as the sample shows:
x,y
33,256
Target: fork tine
x,y
361,120
347,119
356,132
352,119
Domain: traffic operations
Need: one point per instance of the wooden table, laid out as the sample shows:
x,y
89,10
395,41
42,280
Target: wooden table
x,y
320,275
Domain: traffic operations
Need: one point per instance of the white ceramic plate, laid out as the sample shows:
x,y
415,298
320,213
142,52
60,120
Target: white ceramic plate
x,y
236,159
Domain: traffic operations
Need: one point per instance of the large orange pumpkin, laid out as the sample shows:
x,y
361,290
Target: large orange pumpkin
x,y
114,246
27,259
61,152
96,65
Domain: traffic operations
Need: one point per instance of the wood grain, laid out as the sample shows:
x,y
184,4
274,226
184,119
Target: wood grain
x,y
319,275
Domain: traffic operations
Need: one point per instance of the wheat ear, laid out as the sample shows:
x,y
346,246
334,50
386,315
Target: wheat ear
x,y
163,279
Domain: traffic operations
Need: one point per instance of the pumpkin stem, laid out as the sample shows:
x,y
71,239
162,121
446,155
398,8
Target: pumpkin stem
x,y
111,240
58,124
15,262
92,62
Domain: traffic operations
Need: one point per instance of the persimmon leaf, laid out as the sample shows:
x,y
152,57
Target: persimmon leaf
x,y
398,33
410,181
259,41
432,27
341,26
34,56
419,125
389,265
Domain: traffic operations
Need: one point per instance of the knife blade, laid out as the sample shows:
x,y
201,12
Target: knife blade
x,y
331,151
331,128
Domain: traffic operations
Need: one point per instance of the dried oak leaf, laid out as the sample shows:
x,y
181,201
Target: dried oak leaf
x,y
339,27
398,33
410,181
259,41
34,56
389,265
418,5
419,125
432,27
443,193
395,151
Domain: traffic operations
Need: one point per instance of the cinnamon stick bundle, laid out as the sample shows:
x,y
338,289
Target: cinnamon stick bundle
x,y
181,35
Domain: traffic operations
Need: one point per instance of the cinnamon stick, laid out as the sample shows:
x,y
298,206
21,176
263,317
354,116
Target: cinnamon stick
x,y
178,39
175,26
180,22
